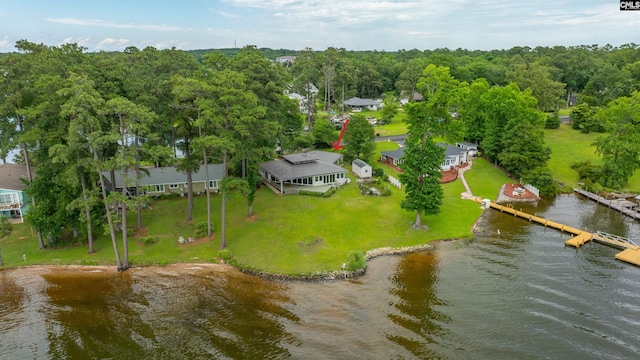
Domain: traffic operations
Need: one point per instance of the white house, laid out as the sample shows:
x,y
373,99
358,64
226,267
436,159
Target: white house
x,y
286,59
361,169
454,156
470,147
305,100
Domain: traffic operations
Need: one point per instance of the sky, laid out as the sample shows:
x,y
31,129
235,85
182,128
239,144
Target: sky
x,y
383,25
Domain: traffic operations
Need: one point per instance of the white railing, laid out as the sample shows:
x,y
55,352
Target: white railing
x,y
533,189
395,182
613,237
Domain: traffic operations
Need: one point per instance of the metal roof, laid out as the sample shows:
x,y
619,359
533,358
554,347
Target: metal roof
x,y
356,101
313,163
167,175
449,151
359,163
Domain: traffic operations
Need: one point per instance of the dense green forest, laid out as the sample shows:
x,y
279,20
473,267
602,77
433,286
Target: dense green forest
x,y
73,115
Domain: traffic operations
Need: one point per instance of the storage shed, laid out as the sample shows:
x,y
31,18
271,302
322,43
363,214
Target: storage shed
x,y
361,169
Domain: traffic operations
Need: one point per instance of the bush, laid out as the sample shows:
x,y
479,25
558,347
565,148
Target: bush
x,y
327,193
378,172
5,227
200,230
374,187
148,240
588,172
225,254
356,261
553,121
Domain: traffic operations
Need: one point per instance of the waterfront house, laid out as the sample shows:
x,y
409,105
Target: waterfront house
x,y
167,180
454,156
320,169
13,201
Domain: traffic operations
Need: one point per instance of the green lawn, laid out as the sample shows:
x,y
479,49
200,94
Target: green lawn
x,y
568,146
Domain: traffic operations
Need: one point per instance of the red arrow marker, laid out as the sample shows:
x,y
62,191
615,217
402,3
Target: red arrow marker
x,y
336,145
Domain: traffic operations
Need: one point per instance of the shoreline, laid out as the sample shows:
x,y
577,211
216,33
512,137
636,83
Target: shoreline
x,y
339,274
219,267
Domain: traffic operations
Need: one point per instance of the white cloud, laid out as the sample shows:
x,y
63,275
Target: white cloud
x,y
84,42
224,14
110,43
102,23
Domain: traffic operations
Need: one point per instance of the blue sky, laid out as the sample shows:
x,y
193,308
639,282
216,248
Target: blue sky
x,y
318,24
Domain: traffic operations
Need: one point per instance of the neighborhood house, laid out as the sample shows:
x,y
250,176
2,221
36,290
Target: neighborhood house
x,y
166,180
13,201
312,92
320,169
356,104
470,147
454,156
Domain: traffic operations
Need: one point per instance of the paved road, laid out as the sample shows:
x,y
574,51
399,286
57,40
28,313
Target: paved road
x,y
397,138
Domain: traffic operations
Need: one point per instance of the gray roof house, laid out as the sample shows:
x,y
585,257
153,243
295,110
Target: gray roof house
x,y
166,180
454,156
358,104
312,169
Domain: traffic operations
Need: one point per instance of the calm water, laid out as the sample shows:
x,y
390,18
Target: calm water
x,y
517,294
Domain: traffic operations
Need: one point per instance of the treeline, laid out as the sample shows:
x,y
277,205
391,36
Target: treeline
x,y
79,118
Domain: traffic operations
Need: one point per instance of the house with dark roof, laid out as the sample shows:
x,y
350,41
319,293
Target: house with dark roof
x,y
311,169
167,180
357,104
13,201
454,156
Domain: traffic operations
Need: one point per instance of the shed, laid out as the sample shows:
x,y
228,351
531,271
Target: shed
x,y
361,169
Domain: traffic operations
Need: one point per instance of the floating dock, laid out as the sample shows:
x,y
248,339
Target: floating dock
x,y
630,253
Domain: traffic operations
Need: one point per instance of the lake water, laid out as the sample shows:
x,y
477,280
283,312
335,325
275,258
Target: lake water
x,y
518,294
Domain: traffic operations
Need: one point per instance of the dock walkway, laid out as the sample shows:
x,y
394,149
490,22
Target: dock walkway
x,y
630,253
610,203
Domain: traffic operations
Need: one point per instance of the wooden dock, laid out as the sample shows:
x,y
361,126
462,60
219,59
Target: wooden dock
x,y
610,203
630,253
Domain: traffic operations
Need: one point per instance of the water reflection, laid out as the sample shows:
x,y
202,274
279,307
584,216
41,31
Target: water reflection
x,y
165,315
416,299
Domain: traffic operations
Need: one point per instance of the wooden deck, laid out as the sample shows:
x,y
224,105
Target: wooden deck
x,y
630,253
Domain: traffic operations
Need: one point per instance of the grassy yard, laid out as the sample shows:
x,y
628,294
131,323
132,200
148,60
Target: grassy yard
x,y
568,146
288,234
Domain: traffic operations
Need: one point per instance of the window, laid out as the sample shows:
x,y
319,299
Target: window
x,y
156,188
9,199
173,186
5,199
213,184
